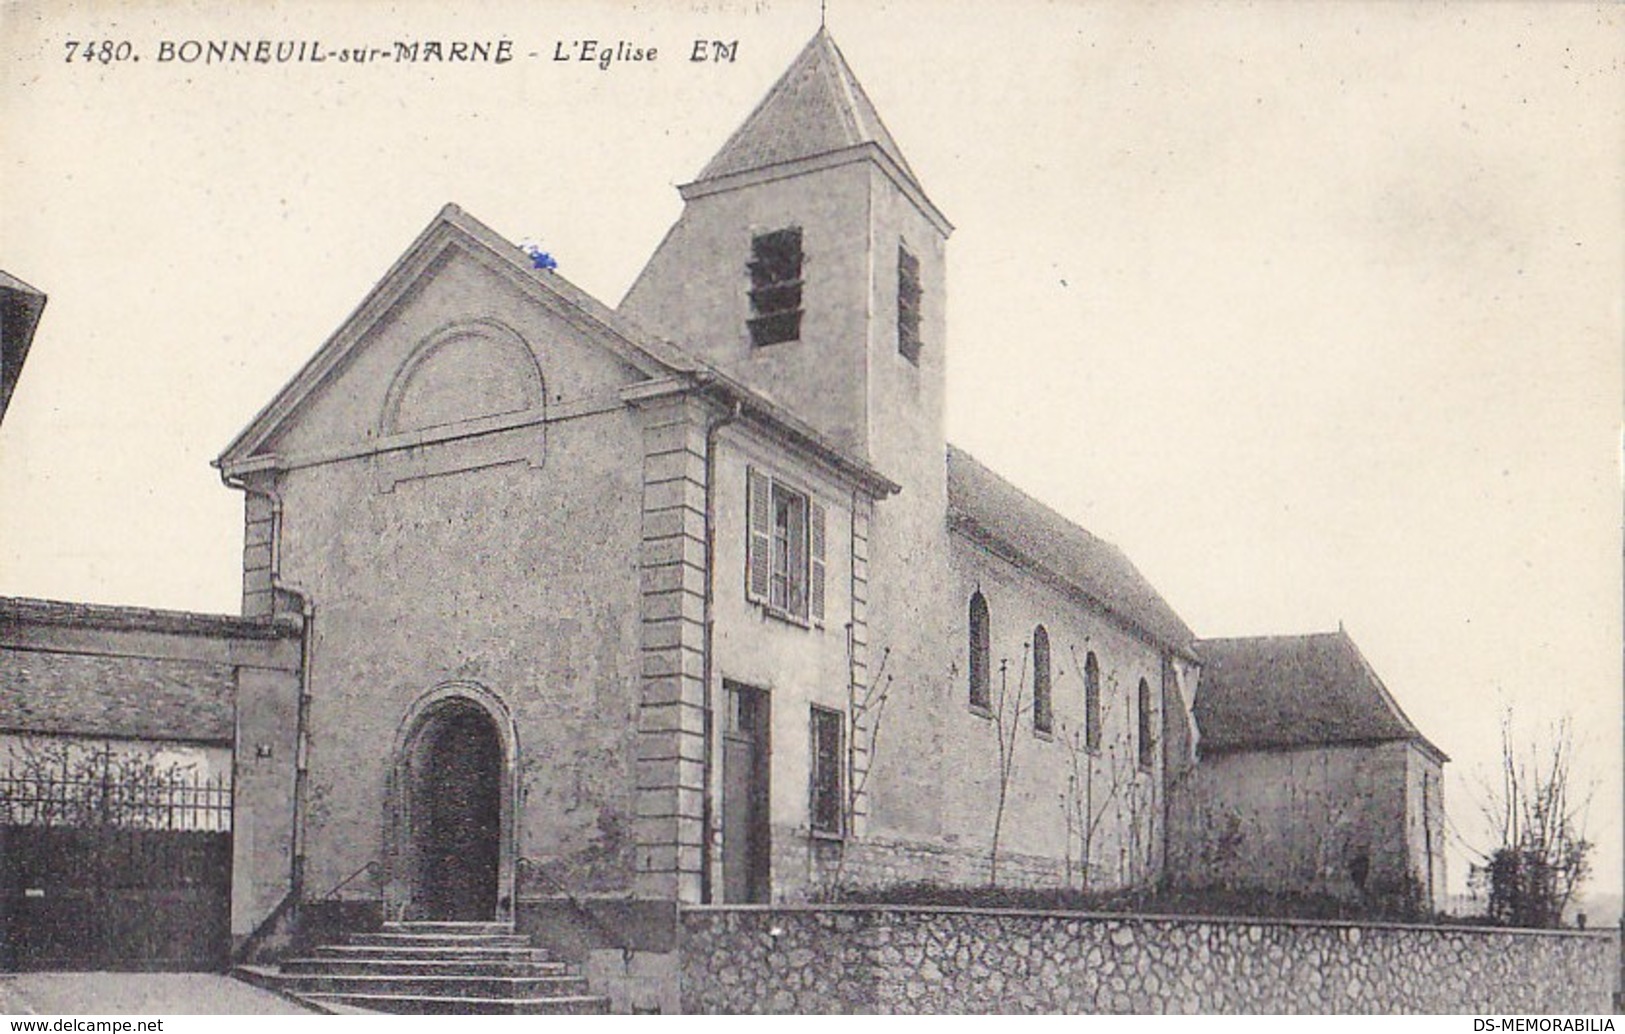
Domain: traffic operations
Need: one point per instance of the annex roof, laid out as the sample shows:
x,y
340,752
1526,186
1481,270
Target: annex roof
x,y
991,509
816,107
1294,691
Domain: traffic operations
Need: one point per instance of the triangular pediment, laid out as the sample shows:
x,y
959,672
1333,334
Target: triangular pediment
x,y
456,256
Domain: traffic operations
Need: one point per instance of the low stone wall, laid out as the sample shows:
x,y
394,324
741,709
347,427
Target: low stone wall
x,y
876,959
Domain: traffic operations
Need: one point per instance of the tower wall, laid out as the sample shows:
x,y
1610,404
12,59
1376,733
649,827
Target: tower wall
x,y
695,290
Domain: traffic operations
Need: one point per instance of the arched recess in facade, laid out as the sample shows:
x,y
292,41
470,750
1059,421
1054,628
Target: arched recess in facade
x,y
438,815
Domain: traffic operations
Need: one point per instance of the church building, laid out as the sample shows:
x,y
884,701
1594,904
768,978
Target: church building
x,y
688,600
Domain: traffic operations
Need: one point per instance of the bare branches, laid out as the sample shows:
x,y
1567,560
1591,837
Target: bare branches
x,y
1543,857
873,707
868,714
1007,711
52,782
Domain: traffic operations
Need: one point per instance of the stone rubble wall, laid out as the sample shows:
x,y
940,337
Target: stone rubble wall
x,y
875,959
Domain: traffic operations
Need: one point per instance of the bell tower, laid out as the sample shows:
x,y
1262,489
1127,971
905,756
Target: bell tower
x,y
808,263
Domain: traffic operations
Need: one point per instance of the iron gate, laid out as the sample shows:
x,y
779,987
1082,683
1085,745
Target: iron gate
x,y
109,863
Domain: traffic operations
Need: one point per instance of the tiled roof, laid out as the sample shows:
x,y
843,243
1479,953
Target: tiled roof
x,y
1292,691
985,505
11,283
127,697
117,695
816,107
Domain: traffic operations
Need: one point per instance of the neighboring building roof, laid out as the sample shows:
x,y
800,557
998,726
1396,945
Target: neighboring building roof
x,y
816,107
113,694
145,698
1294,691
988,507
20,308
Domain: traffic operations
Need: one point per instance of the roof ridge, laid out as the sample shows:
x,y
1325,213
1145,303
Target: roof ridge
x,y
139,618
638,347
15,284
616,322
862,105
43,602
1270,636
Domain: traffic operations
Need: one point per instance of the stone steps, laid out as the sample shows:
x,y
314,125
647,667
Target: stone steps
x,y
439,1004
484,987
447,927
414,939
433,968
341,966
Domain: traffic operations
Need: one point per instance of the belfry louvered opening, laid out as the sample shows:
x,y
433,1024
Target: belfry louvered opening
x,y
775,287
909,293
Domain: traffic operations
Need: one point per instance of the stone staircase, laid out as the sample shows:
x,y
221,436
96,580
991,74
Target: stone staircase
x,y
432,968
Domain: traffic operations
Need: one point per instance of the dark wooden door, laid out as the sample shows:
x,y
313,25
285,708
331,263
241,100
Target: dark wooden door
x,y
745,832
457,819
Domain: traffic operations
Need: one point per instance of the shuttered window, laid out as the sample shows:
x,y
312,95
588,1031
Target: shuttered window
x,y
785,548
760,547
815,560
825,809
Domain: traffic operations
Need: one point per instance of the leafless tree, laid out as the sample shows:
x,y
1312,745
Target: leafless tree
x,y
1008,709
1086,804
54,782
1542,855
868,715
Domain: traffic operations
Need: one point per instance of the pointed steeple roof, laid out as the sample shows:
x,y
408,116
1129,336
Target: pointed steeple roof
x,y
817,107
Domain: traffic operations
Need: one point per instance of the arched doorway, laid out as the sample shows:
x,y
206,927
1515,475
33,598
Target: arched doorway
x,y
453,857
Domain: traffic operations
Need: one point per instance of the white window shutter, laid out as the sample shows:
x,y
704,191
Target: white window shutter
x,y
815,562
758,534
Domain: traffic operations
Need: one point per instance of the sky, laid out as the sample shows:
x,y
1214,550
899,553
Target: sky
x,y
1314,309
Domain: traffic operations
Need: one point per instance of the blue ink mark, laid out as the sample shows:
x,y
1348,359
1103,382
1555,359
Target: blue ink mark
x,y
539,259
